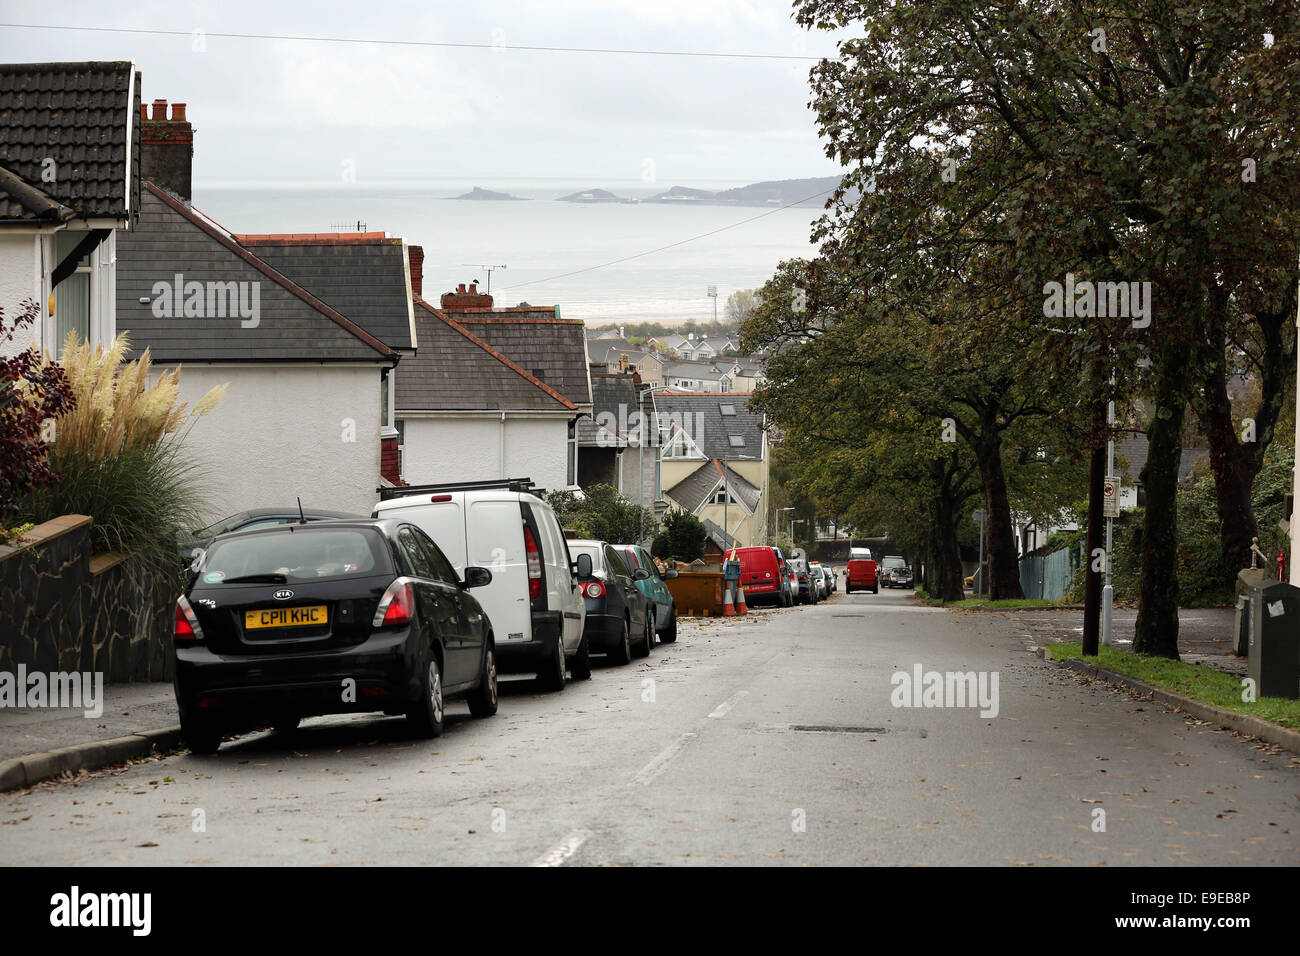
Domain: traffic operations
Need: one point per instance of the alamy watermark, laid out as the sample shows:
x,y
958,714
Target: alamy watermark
x,y
1086,300
923,688
632,428
59,689
208,300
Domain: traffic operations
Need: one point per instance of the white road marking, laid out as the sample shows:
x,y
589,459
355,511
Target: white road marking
x,y
557,855
725,707
656,766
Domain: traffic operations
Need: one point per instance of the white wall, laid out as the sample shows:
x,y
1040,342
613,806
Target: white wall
x,y
469,448
19,280
279,433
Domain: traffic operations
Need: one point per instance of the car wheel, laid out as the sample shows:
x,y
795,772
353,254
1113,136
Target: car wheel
x,y
622,652
483,701
202,736
426,714
581,666
552,677
670,635
848,589
876,589
647,642
286,723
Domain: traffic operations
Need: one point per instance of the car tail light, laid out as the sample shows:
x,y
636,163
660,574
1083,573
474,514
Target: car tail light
x,y
593,589
534,564
397,606
187,624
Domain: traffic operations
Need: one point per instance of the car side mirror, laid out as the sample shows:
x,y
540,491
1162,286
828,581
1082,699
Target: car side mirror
x,y
670,574
640,574
583,565
477,577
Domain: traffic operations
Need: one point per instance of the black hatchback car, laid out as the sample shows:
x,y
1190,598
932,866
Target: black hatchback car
x,y
617,612
328,617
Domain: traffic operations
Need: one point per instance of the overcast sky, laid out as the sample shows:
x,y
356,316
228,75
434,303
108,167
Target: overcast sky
x,y
272,108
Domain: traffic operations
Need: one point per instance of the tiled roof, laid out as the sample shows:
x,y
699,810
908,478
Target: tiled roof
x,y
711,430
695,490
454,370
80,117
363,275
554,350
293,325
617,395
1134,447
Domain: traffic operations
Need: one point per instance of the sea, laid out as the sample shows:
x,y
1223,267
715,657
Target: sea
x,y
601,262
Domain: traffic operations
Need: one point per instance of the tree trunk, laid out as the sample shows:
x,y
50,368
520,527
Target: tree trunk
x,y
1095,542
1004,563
1157,621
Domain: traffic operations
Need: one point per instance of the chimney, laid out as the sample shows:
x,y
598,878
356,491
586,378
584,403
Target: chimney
x,y
464,298
415,255
167,148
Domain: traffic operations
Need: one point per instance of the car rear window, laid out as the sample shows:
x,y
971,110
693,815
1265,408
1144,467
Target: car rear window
x,y
295,556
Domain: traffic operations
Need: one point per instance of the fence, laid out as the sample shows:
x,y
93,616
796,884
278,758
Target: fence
x,y
1047,576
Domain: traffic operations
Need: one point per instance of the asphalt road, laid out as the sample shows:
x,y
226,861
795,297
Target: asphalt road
x,y
771,740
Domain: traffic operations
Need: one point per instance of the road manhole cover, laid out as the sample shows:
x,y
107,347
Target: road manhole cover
x,y
848,615
837,729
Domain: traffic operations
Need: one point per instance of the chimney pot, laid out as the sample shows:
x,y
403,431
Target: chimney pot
x,y
473,288
159,109
178,112
144,111
460,289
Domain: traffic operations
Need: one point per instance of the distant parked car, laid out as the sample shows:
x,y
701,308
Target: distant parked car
x,y
617,611
291,621
654,588
900,578
861,575
251,519
822,578
808,593
763,576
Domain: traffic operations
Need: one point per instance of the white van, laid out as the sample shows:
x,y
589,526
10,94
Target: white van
x,y
533,602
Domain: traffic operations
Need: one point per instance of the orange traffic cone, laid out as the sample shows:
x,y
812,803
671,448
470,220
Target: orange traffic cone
x,y
740,600
728,609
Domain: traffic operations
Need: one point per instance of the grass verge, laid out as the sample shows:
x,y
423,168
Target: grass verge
x,y
1191,680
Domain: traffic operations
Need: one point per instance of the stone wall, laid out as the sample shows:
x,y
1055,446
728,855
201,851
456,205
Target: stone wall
x,y
64,609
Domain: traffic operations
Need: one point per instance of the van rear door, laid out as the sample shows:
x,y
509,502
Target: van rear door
x,y
495,538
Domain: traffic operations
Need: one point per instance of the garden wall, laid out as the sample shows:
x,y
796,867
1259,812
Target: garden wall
x,y
64,609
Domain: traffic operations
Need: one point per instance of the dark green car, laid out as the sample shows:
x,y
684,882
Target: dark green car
x,y
653,587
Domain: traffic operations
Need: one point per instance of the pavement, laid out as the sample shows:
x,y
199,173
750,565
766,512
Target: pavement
x,y
127,709
773,739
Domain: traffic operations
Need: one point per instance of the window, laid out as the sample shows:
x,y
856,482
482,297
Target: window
x,y
384,386
615,563
72,295
736,441
416,557
727,410
442,569
572,468
722,498
401,446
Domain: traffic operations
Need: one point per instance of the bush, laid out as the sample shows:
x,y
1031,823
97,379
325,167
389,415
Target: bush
x,y
603,514
682,539
120,456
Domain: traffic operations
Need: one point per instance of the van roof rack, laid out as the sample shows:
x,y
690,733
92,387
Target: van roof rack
x,y
499,484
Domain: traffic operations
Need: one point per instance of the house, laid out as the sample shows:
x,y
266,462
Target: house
x,y
598,350
500,395
696,377
611,449
648,365
69,186
303,413
714,460
666,344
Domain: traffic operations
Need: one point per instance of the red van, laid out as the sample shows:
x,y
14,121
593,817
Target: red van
x,y
861,575
760,576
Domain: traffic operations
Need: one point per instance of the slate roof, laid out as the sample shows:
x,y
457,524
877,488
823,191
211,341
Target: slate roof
x,y
82,116
454,370
553,350
1134,446
710,428
616,395
704,370
597,349
293,325
363,275
695,490
718,536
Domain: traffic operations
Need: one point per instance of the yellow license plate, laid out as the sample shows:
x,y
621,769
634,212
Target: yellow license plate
x,y
313,616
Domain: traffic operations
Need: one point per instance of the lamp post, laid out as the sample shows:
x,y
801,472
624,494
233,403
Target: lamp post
x,y
640,453
778,523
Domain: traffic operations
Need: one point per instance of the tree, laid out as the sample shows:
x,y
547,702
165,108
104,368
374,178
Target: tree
x,y
740,304
1083,141
32,393
682,539
603,514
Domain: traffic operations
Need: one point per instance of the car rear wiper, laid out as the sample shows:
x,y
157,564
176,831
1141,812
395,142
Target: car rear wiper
x,y
258,579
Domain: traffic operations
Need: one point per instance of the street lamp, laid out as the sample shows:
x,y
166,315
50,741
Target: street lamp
x,y
778,523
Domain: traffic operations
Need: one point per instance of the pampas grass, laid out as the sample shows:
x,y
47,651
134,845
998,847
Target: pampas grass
x,y
120,456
